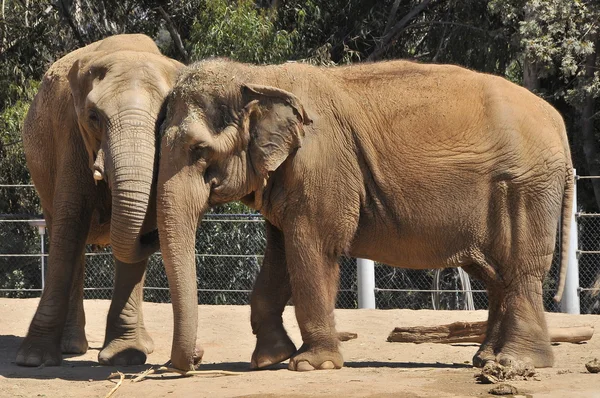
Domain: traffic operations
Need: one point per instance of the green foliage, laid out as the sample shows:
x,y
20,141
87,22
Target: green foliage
x,y
240,31
557,36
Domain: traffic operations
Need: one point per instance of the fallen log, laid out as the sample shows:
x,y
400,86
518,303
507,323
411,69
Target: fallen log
x,y
345,336
474,332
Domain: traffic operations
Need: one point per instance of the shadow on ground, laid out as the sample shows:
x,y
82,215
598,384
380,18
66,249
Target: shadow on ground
x,y
75,369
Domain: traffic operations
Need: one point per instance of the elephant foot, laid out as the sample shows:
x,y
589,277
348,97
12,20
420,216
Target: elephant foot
x,y
37,352
316,359
271,349
74,342
483,356
179,359
542,358
123,351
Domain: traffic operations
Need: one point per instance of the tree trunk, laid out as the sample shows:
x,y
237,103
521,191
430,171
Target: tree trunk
x,y
530,66
530,75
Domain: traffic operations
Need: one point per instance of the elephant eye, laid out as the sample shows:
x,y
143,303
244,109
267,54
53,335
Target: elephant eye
x,y
94,118
200,150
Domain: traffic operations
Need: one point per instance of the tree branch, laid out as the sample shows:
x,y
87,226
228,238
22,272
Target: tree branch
x,y
64,12
396,30
391,17
174,35
595,115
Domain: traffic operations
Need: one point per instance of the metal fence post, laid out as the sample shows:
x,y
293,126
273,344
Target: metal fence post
x,y
570,299
365,275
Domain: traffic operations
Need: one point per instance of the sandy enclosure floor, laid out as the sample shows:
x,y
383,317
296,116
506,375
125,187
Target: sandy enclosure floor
x,y
374,367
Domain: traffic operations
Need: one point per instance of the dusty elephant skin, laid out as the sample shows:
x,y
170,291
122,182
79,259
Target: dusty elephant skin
x,y
90,145
412,165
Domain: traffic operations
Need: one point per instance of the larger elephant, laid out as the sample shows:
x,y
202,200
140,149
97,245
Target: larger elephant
x,y
412,165
90,145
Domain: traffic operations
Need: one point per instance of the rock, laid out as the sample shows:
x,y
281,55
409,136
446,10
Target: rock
x,y
504,389
593,366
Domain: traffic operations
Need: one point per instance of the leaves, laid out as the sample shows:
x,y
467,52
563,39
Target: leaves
x,y
239,31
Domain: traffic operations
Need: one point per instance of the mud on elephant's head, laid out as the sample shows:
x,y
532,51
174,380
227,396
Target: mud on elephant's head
x,y
227,133
118,91
221,139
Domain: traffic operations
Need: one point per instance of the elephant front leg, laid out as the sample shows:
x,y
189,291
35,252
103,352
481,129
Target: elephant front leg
x,y
314,277
73,337
271,293
126,342
68,231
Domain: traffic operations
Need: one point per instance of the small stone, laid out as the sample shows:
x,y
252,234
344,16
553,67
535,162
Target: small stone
x,y
504,389
593,366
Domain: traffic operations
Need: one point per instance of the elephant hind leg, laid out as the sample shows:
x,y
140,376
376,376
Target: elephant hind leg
x,y
523,331
271,293
126,341
516,331
487,274
73,338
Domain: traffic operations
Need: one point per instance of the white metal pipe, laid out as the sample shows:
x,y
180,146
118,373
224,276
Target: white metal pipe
x,y
42,232
570,299
365,273
41,226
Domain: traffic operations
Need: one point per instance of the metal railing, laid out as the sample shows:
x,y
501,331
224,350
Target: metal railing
x,y
230,249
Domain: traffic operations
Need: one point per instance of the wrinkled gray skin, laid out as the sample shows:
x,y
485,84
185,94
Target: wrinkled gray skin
x,y
89,140
417,166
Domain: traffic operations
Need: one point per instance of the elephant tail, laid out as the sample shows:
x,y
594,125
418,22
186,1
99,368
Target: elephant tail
x,y
567,208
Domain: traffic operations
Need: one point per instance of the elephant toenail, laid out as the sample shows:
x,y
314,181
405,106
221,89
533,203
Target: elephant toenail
x,y
304,366
327,365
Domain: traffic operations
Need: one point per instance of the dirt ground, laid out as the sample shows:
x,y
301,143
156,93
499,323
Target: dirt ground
x,y
373,368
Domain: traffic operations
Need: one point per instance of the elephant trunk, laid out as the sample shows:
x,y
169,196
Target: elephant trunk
x,y
130,159
179,209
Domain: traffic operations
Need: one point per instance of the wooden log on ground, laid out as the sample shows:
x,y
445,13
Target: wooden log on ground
x,y
345,336
474,332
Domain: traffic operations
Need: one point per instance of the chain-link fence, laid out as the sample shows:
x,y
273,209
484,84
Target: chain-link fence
x,y
230,249
588,253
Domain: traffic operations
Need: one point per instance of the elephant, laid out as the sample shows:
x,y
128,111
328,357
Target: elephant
x,y
90,145
412,165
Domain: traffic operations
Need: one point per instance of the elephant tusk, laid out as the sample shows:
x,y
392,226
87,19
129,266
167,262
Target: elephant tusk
x,y
98,175
99,166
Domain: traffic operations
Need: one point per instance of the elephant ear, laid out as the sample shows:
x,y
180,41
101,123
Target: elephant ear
x,y
81,81
274,120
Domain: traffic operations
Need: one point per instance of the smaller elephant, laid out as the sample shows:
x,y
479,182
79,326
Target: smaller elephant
x,y
412,165
90,145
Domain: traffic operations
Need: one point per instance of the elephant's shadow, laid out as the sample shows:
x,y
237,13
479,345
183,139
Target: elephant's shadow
x,y
74,369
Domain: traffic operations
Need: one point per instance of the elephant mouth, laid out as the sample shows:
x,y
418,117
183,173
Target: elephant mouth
x,y
150,238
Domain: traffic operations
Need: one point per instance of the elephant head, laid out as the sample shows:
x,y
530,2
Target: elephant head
x,y
117,95
220,141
